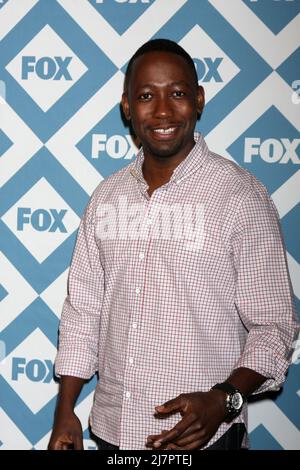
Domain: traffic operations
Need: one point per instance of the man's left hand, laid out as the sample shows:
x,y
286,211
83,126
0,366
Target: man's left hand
x,y
202,413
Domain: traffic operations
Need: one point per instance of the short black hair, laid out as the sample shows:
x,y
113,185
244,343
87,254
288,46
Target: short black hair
x,y
160,45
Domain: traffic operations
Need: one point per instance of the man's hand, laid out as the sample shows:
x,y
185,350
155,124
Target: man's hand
x,y
202,413
67,433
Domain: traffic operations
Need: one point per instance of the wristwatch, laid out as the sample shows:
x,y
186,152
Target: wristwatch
x,y
234,399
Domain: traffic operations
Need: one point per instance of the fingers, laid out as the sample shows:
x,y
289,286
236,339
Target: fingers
x,y
191,430
190,439
67,442
174,433
192,446
194,428
65,446
155,437
61,444
78,443
176,404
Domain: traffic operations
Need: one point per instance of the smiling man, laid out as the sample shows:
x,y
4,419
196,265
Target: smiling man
x,y
179,294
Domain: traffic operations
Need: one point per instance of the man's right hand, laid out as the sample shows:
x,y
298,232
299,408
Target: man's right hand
x,y
67,430
67,433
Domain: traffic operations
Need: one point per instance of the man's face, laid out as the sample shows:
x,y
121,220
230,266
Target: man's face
x,y
163,101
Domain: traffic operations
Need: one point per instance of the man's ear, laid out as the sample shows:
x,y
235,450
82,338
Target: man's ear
x,y
125,106
200,100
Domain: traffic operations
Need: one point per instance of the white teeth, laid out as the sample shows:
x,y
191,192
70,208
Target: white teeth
x,y
165,131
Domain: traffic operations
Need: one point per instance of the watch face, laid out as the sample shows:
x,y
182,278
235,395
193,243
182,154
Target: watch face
x,y
236,401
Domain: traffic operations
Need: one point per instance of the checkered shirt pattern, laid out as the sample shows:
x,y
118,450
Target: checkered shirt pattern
x,y
157,319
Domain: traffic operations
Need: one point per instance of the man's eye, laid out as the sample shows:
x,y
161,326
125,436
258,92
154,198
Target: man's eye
x,y
178,94
145,97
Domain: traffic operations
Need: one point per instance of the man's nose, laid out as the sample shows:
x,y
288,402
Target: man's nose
x,y
163,106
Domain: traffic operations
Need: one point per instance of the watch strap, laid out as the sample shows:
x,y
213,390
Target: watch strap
x,y
226,387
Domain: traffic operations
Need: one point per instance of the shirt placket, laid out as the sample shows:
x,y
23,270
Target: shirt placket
x,y
135,331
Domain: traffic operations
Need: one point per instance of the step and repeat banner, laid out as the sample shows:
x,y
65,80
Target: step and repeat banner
x,y
62,67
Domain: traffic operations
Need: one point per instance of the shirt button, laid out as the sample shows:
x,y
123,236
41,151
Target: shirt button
x,y
127,394
134,325
131,360
142,255
138,290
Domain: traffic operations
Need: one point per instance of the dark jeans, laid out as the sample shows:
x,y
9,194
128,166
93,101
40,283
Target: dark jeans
x,y
231,440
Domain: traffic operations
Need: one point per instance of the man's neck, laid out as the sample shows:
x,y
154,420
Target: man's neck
x,y
158,171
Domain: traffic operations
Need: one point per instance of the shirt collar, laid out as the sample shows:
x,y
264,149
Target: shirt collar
x,y
187,167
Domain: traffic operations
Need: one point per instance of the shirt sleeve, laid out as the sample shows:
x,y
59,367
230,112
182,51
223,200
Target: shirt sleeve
x,y
263,297
79,325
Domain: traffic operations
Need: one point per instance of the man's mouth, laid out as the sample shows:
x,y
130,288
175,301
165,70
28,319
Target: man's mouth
x,y
168,131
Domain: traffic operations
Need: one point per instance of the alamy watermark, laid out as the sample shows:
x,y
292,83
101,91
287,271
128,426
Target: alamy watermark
x,y
178,222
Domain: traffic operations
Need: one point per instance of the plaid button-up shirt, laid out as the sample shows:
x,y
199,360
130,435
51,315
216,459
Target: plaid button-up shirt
x,y
168,294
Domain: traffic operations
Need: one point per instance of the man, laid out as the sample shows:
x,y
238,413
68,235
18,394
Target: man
x,y
179,294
